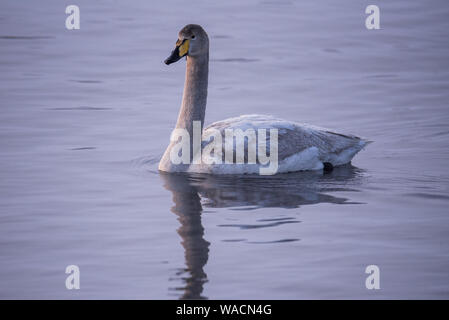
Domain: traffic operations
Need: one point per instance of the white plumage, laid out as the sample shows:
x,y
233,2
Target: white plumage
x,y
300,146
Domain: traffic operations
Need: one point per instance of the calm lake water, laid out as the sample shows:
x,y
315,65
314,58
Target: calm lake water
x,y
86,115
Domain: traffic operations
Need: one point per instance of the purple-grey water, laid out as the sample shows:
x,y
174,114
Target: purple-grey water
x,y
86,115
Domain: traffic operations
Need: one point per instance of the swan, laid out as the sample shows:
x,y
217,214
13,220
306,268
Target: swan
x,y
300,147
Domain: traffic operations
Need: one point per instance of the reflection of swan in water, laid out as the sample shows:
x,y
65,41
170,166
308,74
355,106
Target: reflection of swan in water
x,y
188,209
283,190
193,191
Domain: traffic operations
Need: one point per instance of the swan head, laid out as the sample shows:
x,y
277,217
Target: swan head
x,y
192,42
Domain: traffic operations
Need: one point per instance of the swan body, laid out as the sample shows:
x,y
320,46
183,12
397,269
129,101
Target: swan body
x,y
299,146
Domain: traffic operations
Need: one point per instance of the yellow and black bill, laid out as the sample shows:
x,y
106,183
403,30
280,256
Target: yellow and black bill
x,y
181,49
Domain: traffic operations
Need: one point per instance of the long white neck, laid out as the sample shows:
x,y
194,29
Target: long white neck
x,y
193,108
194,99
